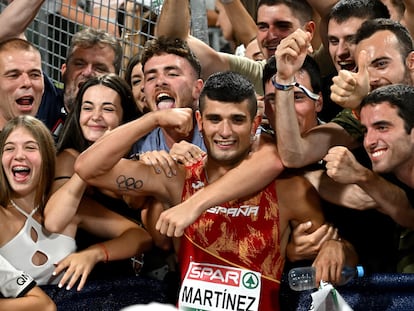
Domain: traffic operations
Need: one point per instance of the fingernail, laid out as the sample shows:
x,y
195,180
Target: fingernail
x,y
158,170
68,287
53,273
169,174
60,285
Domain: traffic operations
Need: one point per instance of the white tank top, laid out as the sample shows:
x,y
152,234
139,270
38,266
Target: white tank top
x,y
13,283
20,250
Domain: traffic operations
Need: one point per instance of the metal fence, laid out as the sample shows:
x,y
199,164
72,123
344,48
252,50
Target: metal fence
x,y
131,21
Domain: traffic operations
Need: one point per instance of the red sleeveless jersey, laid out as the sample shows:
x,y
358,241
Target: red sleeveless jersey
x,y
243,234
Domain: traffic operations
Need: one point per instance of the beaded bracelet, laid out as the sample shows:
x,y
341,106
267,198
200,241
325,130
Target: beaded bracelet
x,y
105,250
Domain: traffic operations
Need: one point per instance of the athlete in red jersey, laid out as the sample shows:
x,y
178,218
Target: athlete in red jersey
x,y
243,233
232,263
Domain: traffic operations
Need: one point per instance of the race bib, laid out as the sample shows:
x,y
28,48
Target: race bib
x,y
214,287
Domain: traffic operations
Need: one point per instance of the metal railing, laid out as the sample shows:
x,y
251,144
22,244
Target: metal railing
x,y
131,21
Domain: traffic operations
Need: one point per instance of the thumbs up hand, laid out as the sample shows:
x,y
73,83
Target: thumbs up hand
x,y
349,88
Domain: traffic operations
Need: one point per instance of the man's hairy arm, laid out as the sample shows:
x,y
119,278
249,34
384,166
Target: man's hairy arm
x,y
17,16
174,22
102,164
250,176
243,24
391,200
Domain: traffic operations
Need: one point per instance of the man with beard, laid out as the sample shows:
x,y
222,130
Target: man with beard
x,y
343,21
171,80
92,52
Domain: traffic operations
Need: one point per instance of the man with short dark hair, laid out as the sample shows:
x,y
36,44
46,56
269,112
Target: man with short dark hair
x,y
387,119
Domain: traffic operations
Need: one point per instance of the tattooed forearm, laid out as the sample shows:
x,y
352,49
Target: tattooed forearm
x,y
128,183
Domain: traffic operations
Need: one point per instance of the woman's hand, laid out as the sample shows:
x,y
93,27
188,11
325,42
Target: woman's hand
x,y
78,265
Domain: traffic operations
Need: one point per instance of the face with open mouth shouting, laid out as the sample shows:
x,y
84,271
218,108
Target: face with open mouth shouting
x,y
21,83
341,38
170,82
22,161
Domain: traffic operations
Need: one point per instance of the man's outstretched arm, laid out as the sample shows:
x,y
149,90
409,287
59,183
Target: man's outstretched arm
x,y
391,200
243,24
17,16
298,149
174,22
102,164
250,176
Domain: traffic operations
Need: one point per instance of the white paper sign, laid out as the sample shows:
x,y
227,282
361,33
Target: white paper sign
x,y
214,287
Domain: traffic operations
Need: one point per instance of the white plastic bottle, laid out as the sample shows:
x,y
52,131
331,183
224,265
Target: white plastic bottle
x,y
303,278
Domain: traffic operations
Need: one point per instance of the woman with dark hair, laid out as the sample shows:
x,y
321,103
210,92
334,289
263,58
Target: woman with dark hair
x,y
102,103
134,76
122,108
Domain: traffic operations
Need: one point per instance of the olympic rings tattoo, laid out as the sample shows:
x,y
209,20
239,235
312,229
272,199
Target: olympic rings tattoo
x,y
128,183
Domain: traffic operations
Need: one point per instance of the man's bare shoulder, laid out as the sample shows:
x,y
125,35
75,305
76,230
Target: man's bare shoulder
x,y
288,184
334,133
298,199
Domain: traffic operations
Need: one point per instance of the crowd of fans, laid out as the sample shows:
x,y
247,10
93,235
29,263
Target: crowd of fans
x,y
158,157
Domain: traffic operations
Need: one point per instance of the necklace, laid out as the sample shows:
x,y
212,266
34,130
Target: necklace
x,y
20,209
